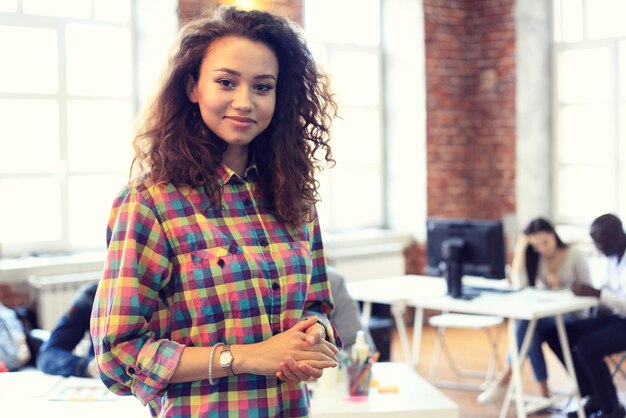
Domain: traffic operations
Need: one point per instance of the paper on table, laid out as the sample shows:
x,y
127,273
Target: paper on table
x,y
81,389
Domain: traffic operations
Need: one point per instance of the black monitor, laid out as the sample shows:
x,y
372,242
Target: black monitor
x,y
458,247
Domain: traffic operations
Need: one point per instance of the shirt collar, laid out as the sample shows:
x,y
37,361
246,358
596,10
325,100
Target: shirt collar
x,y
226,175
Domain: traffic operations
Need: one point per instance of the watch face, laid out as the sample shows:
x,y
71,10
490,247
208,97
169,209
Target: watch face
x,y
225,358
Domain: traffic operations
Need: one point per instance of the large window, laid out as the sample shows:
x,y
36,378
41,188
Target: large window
x,y
66,111
350,52
590,109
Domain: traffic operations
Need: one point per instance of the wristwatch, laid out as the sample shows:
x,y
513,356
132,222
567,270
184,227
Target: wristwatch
x,y
226,360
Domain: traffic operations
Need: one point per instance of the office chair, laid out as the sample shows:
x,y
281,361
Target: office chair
x,y
472,322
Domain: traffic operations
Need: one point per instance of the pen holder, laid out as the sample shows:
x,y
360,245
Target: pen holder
x,y
358,379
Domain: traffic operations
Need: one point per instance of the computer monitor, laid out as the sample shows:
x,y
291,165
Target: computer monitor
x,y
458,247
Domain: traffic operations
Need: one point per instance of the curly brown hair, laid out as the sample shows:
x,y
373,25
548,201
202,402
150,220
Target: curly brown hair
x,y
174,145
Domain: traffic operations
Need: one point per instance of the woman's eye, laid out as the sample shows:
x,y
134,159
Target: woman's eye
x,y
263,87
226,83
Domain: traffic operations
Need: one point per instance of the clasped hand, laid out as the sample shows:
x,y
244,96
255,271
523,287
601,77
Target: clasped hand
x,y
301,353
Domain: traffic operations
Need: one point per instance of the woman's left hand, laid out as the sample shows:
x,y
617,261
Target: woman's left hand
x,y
293,372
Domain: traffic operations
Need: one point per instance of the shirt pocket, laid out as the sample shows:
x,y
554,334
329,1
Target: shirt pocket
x,y
220,280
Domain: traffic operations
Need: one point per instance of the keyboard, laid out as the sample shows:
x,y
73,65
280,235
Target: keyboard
x,y
477,290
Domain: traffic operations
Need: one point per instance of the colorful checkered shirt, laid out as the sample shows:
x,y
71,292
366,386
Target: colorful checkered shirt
x,y
182,272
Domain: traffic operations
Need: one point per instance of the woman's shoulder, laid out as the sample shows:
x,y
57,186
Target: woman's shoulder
x,y
573,251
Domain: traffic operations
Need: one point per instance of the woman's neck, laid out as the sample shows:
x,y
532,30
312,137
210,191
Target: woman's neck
x,y
236,158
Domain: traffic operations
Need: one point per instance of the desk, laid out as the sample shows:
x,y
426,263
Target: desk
x,y
416,398
34,394
395,292
530,304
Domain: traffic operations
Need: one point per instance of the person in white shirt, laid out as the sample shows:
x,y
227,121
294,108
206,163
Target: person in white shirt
x,y
592,339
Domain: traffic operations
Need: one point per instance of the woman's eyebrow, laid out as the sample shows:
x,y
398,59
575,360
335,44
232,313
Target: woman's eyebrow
x,y
237,73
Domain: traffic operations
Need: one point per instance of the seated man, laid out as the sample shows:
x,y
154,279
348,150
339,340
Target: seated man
x,y
593,339
56,355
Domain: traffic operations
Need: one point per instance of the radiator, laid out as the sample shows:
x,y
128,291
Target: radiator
x,y
55,293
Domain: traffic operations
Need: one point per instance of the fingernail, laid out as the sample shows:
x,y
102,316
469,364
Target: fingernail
x,y
311,339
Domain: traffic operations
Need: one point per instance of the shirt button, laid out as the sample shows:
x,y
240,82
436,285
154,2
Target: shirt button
x,y
131,370
247,203
221,262
275,286
263,242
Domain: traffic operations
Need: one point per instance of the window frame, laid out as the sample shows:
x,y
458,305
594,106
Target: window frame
x,y
62,173
615,104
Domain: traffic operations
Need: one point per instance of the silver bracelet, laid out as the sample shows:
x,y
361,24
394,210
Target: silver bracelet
x,y
211,381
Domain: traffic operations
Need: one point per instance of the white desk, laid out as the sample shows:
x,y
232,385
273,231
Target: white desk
x,y
34,394
395,292
415,398
429,293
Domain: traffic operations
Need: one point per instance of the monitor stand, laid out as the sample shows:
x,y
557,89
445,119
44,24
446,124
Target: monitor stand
x,y
452,252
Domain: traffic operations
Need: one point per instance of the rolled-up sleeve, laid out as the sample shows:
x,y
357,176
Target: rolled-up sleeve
x,y
132,354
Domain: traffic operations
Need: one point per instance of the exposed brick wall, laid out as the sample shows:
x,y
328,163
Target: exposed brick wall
x,y
470,77
470,82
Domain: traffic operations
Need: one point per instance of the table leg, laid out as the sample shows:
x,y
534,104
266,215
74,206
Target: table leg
x,y
569,363
417,335
398,309
515,387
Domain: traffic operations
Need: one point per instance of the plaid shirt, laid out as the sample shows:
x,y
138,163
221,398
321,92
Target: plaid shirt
x,y
180,272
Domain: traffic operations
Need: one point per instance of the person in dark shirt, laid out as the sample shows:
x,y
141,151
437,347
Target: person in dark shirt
x,y
56,356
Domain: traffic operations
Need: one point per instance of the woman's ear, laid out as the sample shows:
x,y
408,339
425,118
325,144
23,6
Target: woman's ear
x,y
190,89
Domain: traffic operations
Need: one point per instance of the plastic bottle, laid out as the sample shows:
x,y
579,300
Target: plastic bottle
x,y
360,349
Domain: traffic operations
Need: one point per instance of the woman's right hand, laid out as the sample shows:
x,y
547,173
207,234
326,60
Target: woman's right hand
x,y
265,358
521,244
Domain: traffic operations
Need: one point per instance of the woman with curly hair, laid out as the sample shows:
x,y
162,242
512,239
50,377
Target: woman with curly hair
x,y
214,299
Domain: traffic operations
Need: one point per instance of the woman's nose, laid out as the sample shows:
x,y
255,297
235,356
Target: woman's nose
x,y
242,100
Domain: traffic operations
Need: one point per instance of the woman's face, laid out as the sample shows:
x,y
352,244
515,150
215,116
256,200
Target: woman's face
x,y
236,89
543,242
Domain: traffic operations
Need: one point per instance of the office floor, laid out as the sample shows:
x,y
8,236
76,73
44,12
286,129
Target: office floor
x,y
473,355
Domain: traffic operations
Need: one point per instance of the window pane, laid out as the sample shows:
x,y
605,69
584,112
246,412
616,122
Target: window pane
x,y
112,10
622,135
325,20
107,148
91,198
34,214
584,75
27,125
622,71
586,134
324,206
585,192
571,20
350,208
357,129
320,54
61,8
356,78
98,60
29,61
8,6
622,196
605,18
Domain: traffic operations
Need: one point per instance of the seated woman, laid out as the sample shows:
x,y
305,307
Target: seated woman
x,y
542,260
